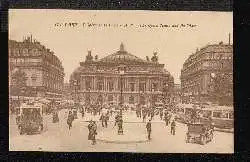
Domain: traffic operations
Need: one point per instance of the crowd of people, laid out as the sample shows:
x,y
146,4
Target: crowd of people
x,y
97,110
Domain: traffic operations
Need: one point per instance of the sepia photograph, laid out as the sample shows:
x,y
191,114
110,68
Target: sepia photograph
x,y
121,81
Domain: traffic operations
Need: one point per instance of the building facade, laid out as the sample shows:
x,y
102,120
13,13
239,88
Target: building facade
x,y
67,92
200,68
120,78
44,73
177,93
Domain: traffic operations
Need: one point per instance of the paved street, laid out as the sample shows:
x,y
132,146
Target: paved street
x,y
57,137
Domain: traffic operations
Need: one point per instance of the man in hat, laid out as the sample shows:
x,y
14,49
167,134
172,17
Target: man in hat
x,y
173,124
70,119
93,133
120,123
90,125
116,118
144,114
106,118
102,118
161,114
149,129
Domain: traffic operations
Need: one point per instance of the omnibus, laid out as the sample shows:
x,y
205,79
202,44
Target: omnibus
x,y
222,116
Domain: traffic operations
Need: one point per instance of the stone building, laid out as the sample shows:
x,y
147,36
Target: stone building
x,y
177,93
120,78
200,68
44,73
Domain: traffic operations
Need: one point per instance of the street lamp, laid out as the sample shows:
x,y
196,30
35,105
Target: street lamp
x,y
75,86
121,72
89,96
22,92
152,98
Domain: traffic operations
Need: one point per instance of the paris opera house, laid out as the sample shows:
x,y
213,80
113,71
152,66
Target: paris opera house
x,y
120,78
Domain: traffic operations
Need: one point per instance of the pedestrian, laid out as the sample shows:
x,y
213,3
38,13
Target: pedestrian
x,y
173,124
106,119
102,118
82,112
152,114
91,135
144,116
166,118
116,118
120,128
161,114
139,112
70,119
149,129
94,133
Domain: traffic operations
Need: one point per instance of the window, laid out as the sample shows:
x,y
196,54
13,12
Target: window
x,y
142,100
142,87
110,98
87,84
131,100
154,86
224,115
231,115
33,77
121,99
132,87
217,114
100,86
207,113
111,86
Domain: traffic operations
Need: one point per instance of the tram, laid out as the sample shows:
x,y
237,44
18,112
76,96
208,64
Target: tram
x,y
222,116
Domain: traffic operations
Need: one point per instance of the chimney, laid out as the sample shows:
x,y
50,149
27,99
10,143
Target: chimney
x,y
229,39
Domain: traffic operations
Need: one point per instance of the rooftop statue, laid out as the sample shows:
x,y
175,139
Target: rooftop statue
x,y
89,57
154,58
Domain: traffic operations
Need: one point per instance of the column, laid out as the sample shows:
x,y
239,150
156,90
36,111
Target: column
x,y
94,82
126,84
83,83
105,84
137,84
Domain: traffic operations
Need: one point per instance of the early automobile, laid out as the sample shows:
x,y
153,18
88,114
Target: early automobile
x,y
201,133
31,120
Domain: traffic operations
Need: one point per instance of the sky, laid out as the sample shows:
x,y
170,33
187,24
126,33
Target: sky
x,y
172,43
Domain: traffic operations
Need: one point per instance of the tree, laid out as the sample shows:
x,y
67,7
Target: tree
x,y
221,88
18,79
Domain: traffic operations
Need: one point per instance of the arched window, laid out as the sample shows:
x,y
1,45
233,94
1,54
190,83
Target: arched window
x,y
131,100
142,100
110,98
100,99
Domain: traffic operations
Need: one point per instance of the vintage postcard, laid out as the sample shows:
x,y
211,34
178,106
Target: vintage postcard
x,y
121,81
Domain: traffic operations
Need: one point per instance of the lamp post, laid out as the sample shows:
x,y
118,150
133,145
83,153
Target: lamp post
x,y
89,96
22,92
121,72
75,87
152,98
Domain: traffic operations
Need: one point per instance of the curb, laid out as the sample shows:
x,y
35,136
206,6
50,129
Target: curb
x,y
224,130
125,121
122,142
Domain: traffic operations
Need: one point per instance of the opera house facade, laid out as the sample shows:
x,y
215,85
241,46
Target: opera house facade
x,y
120,78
